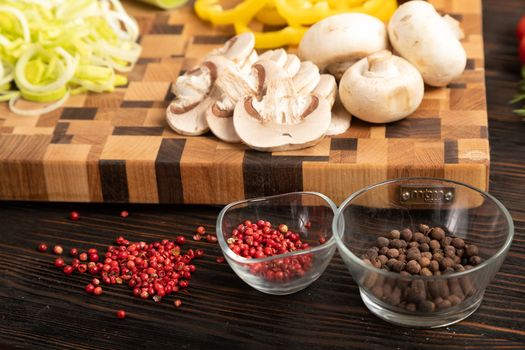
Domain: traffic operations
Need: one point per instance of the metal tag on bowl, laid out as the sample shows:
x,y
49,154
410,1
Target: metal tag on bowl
x,y
415,194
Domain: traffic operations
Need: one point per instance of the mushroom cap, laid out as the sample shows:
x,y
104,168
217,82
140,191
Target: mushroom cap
x,y
237,49
428,41
342,39
381,88
271,136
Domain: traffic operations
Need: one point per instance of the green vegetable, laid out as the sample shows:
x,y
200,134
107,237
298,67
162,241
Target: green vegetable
x,y
520,96
53,48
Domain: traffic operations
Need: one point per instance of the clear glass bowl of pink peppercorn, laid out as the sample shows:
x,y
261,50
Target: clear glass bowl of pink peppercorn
x,y
279,244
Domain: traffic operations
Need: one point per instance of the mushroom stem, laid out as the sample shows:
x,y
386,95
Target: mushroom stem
x,y
380,64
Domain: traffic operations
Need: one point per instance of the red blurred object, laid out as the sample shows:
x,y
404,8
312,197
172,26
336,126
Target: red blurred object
x,y
520,28
522,50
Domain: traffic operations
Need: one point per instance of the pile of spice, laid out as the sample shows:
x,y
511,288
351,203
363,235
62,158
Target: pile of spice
x,y
153,270
261,239
427,251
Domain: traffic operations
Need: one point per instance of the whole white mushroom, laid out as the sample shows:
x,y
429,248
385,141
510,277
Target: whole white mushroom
x,y
429,41
337,42
381,88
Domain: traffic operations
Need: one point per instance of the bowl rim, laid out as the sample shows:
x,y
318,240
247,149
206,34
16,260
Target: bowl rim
x,y
230,254
344,250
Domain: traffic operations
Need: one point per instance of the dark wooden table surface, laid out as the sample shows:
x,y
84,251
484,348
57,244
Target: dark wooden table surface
x,y
42,308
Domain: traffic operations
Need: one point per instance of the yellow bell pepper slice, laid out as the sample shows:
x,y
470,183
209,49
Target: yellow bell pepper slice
x,y
212,11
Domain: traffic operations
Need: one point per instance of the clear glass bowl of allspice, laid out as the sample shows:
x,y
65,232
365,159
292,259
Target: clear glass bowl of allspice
x,y
422,250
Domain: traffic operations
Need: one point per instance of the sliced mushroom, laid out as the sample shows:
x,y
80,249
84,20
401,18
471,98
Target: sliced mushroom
x,y
341,119
381,88
230,87
337,42
186,114
290,62
307,78
282,119
239,49
428,41
327,89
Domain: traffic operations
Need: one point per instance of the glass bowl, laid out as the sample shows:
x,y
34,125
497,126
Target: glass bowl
x,y
415,300
309,214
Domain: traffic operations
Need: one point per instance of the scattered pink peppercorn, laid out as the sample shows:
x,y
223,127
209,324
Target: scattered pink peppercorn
x,y
121,314
73,252
201,230
197,237
58,250
220,259
42,247
74,216
180,240
83,257
93,257
82,268
90,289
59,262
177,302
68,270
124,214
98,290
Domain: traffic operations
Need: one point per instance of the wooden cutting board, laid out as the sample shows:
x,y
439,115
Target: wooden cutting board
x,y
117,147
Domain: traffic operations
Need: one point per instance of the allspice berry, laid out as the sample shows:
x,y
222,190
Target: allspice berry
x,y
450,251
472,250
406,234
475,260
424,261
424,247
434,266
446,263
419,237
382,242
392,253
413,267
437,234
394,234
458,243
413,254
434,245
426,306
424,228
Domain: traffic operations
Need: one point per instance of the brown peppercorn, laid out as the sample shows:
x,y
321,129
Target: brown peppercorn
x,y
394,234
472,250
437,233
444,304
413,254
446,241
438,257
434,245
454,300
371,254
424,228
419,237
383,259
424,247
457,260
468,267
434,266
417,292
450,251
460,252
402,257
458,243
424,261
427,255
413,245
406,234
404,273
398,266
383,251
413,267
426,306
377,291
411,307
446,262
425,272
382,242
376,263
397,243
474,260
437,273
459,268
392,253
448,270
